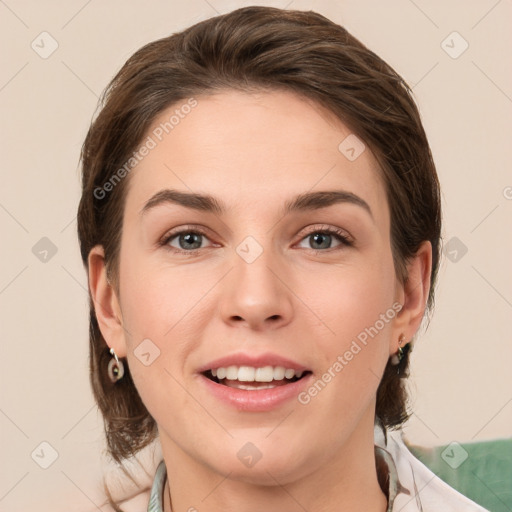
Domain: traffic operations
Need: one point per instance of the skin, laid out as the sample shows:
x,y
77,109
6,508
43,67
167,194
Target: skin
x,y
255,152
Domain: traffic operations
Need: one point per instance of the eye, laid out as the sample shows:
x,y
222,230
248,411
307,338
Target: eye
x,y
321,239
190,240
185,241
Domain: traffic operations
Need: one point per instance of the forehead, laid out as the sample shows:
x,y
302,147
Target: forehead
x,y
257,148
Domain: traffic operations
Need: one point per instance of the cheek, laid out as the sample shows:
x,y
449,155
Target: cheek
x,y
354,298
164,311
157,299
354,354
357,311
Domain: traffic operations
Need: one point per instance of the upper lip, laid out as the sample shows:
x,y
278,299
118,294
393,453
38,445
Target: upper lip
x,y
256,361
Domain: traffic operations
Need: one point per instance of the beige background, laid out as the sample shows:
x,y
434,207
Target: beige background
x,y
462,379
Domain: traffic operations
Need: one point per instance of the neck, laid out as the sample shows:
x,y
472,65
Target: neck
x,y
345,481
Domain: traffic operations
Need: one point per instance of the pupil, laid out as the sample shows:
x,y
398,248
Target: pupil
x,y
189,239
325,237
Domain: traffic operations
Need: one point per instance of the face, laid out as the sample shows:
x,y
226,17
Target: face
x,y
285,264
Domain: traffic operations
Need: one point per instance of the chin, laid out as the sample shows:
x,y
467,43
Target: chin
x,y
267,467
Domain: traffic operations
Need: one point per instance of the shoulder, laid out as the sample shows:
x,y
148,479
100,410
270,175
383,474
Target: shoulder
x,y
425,490
130,484
136,503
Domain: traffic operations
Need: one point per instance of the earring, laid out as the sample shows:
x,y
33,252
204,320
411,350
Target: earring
x,y
115,367
396,358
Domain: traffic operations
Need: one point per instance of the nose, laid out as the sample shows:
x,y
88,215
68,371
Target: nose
x,y
257,294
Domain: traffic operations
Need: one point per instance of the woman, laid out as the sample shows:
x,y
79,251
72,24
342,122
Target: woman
x,y
260,222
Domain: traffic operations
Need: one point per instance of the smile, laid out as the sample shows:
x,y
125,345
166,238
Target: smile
x,y
255,389
266,377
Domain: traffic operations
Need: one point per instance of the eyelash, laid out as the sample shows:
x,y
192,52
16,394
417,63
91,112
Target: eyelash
x,y
339,234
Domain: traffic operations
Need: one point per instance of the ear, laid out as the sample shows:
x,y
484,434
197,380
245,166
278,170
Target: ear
x,y
413,294
106,303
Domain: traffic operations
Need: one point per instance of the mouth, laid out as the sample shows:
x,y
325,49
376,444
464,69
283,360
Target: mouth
x,y
251,378
254,382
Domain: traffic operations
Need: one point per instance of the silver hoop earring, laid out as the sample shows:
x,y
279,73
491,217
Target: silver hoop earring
x,y
115,367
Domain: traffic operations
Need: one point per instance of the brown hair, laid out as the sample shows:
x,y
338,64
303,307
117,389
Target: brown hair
x,y
248,49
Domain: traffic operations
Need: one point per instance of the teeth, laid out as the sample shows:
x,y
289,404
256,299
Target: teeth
x,y
251,374
265,374
254,388
232,373
279,372
245,374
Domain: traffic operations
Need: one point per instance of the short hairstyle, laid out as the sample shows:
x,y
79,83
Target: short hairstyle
x,y
255,49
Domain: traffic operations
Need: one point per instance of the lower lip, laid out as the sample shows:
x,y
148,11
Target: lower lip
x,y
257,400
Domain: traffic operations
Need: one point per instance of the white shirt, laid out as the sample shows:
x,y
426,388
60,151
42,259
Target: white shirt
x,y
412,486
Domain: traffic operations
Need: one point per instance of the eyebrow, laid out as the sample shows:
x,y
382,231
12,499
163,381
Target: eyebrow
x,y
304,202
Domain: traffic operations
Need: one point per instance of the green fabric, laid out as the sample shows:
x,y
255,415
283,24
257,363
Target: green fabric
x,y
482,471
